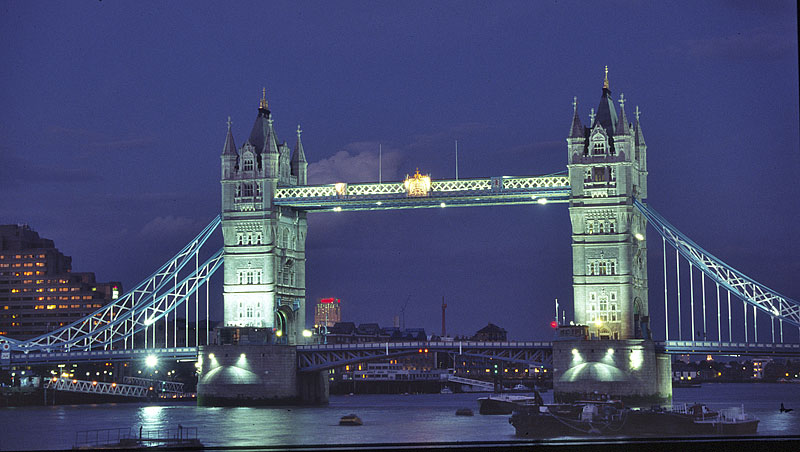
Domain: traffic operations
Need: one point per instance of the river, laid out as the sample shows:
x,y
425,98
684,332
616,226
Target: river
x,y
387,419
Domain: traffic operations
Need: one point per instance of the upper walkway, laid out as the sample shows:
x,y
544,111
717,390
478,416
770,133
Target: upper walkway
x,y
421,192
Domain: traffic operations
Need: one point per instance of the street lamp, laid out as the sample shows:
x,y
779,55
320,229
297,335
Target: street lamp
x,y
151,360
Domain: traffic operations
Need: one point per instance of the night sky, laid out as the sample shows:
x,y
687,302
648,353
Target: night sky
x,y
114,115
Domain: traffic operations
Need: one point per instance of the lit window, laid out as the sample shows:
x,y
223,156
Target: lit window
x,y
248,165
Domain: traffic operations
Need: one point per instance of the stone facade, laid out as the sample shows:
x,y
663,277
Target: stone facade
x,y
247,375
264,245
607,171
630,370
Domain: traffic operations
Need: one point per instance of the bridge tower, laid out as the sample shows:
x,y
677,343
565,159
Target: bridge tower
x,y
264,254
607,171
611,350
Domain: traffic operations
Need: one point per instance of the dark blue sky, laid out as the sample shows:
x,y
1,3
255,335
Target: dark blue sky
x,y
113,118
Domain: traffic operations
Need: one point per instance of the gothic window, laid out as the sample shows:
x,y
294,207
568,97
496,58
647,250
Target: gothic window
x,y
248,164
239,238
599,174
250,312
598,144
590,226
601,267
612,226
238,190
588,176
258,238
247,190
258,189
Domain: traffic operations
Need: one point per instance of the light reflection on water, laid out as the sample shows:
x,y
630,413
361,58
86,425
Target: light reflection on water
x,y
387,419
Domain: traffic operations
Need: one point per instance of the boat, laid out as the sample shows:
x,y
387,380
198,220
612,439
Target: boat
x,y
350,419
578,419
685,384
464,412
505,404
446,390
520,388
610,418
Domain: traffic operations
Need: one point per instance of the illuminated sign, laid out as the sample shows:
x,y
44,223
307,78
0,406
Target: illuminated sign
x,y
418,185
114,293
329,300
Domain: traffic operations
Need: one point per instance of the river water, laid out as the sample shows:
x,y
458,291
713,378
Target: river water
x,y
387,419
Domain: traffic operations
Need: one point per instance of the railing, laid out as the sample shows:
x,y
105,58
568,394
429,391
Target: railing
x,y
125,438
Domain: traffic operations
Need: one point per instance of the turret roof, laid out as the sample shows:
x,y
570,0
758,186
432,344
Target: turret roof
x,y
229,148
299,156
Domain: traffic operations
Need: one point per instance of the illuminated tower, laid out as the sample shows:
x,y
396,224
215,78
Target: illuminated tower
x,y
608,170
264,254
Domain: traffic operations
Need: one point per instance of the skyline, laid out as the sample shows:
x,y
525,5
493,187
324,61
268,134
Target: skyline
x,y
116,116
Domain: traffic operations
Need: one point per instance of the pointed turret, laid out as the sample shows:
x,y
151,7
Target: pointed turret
x,y
622,125
229,148
606,112
260,132
576,130
637,129
299,163
229,155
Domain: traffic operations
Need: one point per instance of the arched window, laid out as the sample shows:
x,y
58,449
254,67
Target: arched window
x,y
598,144
248,164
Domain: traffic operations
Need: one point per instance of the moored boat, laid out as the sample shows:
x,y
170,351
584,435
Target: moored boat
x,y
350,419
505,404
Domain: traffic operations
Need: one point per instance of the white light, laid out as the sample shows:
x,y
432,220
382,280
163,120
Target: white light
x,y
148,321
306,333
337,209
279,333
610,351
380,203
542,201
639,236
151,360
442,205
533,196
211,356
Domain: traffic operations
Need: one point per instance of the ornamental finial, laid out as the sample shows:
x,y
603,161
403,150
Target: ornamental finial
x,y
574,104
621,100
263,103
299,131
605,81
229,123
637,112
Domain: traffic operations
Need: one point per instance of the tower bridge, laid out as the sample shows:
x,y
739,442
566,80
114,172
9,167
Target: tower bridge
x,y
265,202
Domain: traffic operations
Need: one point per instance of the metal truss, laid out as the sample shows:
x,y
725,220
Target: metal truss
x,y
748,290
311,358
117,355
728,348
96,387
137,308
163,386
443,193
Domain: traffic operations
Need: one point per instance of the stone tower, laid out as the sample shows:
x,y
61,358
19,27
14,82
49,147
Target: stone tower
x,y
607,171
264,245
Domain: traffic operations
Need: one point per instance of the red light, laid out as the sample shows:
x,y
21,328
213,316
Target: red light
x,y
554,324
420,350
329,300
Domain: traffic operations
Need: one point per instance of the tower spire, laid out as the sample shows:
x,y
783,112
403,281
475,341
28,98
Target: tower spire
x,y
577,129
622,124
229,148
605,81
263,105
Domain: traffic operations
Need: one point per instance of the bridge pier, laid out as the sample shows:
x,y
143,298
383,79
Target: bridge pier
x,y
252,375
630,370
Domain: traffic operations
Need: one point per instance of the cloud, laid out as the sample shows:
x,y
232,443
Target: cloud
x,y
357,163
756,44
169,227
18,171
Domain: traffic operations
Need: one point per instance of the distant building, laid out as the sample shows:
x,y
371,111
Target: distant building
x,y
491,333
38,290
328,312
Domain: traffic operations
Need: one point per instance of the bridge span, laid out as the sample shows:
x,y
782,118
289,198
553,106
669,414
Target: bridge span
x,y
317,357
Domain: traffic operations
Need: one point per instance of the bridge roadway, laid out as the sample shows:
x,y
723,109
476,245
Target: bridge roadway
x,y
501,190
320,357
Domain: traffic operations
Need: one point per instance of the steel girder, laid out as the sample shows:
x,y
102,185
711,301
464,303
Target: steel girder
x,y
762,297
312,358
42,357
96,387
393,195
126,315
728,348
